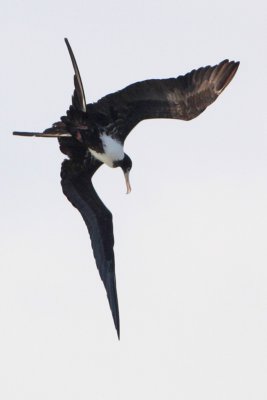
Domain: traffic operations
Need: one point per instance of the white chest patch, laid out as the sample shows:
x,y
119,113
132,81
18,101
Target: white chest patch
x,y
113,150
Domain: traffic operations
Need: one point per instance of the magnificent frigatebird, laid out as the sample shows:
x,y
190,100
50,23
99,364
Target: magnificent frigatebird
x,y
93,134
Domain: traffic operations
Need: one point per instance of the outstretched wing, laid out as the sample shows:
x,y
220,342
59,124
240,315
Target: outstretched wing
x,y
183,98
78,188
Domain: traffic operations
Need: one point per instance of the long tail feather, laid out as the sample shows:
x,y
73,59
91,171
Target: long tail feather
x,y
78,100
43,134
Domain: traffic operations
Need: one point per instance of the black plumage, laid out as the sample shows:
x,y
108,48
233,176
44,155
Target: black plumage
x,y
78,188
90,134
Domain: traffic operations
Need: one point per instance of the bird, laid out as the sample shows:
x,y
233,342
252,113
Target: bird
x,y
93,134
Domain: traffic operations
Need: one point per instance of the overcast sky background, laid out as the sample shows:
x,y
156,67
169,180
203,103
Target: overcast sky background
x,y
190,248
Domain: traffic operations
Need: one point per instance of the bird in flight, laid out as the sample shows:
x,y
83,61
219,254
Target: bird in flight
x,y
93,134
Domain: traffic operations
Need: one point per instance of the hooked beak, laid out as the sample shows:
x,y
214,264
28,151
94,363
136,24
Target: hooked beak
x,y
127,180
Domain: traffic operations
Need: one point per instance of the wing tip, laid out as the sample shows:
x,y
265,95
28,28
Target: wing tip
x,y
116,320
226,71
118,333
114,305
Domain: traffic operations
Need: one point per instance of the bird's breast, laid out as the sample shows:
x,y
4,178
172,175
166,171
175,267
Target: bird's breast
x,y
112,150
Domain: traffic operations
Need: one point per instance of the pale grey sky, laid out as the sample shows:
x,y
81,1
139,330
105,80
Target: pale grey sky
x,y
190,246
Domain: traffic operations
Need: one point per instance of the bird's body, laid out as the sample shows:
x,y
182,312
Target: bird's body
x,y
93,134
112,150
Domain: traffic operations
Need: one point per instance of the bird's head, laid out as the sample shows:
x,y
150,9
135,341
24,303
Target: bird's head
x,y
126,166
